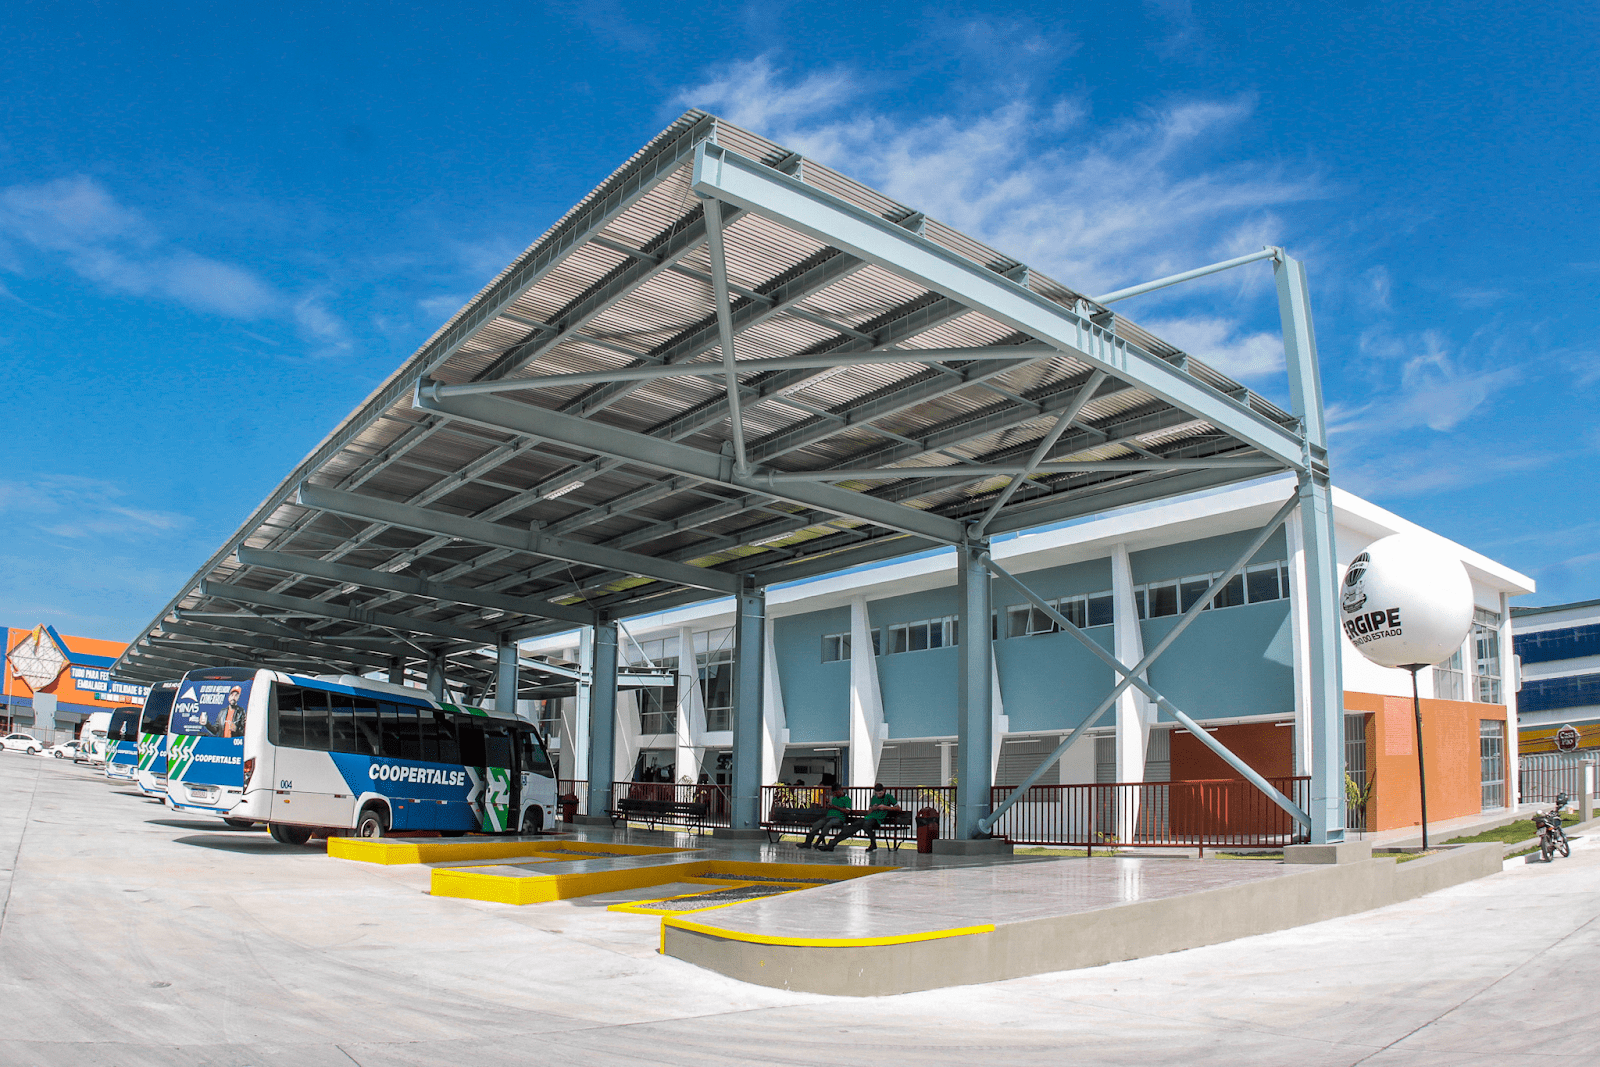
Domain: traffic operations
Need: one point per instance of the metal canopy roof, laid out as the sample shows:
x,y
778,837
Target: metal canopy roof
x,y
568,443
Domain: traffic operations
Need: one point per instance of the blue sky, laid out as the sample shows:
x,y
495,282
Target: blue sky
x,y
219,229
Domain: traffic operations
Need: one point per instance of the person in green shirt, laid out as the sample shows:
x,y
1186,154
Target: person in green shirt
x,y
833,817
880,807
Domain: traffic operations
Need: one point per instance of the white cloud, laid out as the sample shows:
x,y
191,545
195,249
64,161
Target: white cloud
x,y
1220,343
1097,208
75,507
80,223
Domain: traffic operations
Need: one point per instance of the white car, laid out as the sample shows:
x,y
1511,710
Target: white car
x,y
65,750
22,743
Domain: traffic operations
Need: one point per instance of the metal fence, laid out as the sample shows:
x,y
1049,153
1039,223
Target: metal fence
x,y
1204,814
941,798
577,786
716,798
1540,777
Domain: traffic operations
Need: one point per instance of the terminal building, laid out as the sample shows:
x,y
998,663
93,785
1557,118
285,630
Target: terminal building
x,y
892,504
861,668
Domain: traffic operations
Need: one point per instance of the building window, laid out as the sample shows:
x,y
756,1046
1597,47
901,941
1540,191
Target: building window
x,y
836,647
928,633
658,705
1492,757
1253,585
1486,655
1448,681
716,682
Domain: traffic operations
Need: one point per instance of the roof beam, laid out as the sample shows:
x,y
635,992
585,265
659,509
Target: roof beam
x,y
599,438
883,474
368,645
324,610
824,361
735,179
276,644
528,542
401,583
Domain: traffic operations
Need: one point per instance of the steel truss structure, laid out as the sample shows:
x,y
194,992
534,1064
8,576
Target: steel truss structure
x,y
725,368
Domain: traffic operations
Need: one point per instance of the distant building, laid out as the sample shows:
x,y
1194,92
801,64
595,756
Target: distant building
x,y
1559,647
861,667
54,681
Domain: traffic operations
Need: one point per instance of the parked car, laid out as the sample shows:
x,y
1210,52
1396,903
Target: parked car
x,y
22,743
65,750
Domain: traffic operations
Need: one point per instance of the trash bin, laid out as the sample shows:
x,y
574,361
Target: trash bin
x,y
927,828
569,807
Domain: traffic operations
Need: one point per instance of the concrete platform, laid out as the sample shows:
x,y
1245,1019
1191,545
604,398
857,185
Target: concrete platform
x,y
957,926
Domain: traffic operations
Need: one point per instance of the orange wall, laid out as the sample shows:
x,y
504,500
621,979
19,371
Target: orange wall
x,y
63,687
1450,749
1267,747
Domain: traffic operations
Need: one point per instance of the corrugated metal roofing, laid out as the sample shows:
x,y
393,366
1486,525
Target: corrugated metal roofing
x,y
623,279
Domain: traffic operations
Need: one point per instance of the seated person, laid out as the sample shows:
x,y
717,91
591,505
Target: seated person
x,y
833,817
879,808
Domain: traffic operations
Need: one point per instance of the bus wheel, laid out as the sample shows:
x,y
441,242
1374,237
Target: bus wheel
x,y
240,824
289,835
452,833
371,824
532,821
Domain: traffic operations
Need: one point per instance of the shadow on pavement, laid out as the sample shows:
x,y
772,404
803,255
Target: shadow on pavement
x,y
261,844
217,826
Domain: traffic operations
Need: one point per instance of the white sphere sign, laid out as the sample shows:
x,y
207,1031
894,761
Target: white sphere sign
x,y
1405,601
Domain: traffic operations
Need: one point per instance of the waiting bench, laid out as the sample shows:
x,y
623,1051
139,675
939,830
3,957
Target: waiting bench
x,y
895,830
653,812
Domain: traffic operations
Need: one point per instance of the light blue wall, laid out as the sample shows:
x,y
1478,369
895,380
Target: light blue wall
x,y
816,695
1230,662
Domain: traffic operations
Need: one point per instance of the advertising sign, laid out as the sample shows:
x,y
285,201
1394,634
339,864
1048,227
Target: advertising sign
x,y
206,744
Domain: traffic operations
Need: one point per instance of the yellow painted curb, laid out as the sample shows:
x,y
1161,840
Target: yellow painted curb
x,y
391,851
821,942
474,884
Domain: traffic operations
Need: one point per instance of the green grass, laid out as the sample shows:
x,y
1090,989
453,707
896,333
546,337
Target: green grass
x,y
1520,830
1062,853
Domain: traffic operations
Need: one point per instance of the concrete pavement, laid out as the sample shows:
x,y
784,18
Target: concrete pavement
x,y
130,936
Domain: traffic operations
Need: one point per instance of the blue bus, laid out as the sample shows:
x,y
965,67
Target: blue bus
x,y
151,771
343,754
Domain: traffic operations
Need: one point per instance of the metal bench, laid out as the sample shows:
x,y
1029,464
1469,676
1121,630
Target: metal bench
x,y
895,830
653,812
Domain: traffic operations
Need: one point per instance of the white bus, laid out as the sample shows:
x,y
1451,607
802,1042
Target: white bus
x,y
341,753
151,773
92,737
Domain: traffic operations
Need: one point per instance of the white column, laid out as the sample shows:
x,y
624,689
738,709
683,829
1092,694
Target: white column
x,y
1002,721
625,741
774,722
575,714
1133,712
946,766
1294,538
691,741
867,727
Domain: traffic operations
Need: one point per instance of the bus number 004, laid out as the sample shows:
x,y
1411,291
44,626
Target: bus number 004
x,y
285,784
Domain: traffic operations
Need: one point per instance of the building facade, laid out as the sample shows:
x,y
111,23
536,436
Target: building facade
x,y
52,681
861,667
1559,652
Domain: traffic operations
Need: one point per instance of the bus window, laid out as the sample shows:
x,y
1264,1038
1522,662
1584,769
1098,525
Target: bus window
x,y
449,746
532,756
124,726
399,731
157,709
428,732
314,709
341,723
497,747
290,730
470,733
367,738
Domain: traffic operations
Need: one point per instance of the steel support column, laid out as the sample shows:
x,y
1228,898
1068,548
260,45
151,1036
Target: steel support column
x,y
505,676
974,693
749,630
397,670
1325,684
602,717
436,676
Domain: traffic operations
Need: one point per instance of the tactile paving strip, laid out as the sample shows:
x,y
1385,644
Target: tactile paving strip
x,y
712,899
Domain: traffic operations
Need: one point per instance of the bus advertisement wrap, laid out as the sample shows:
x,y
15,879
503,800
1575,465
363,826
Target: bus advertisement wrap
x,y
456,797
206,745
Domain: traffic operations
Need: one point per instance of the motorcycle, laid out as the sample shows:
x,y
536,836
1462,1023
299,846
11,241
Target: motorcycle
x,y
1552,838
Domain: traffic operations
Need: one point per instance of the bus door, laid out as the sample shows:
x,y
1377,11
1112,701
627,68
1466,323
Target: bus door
x,y
500,792
535,780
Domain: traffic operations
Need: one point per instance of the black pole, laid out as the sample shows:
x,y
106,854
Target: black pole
x,y
1422,772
